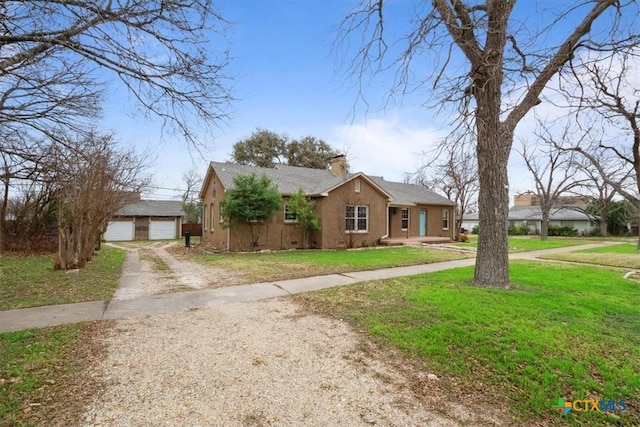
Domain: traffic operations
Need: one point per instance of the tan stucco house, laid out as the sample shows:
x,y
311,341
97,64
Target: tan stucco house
x,y
355,209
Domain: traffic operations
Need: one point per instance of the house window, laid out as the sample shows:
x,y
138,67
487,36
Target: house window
x,y
211,217
566,224
445,219
405,218
357,184
288,215
357,219
220,213
206,217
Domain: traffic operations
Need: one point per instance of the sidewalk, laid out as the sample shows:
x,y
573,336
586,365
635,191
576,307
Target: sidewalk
x,y
38,317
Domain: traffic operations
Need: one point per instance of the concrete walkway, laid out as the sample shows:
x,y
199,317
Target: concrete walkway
x,y
37,317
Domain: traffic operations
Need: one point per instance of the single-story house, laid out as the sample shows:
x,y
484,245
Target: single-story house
x,y
355,209
146,220
531,216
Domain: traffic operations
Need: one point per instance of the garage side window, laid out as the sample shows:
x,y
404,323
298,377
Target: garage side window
x,y
205,220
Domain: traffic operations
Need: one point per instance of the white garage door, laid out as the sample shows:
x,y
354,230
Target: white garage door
x,y
119,231
162,230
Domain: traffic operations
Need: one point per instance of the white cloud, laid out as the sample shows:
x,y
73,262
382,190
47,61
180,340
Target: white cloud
x,y
385,147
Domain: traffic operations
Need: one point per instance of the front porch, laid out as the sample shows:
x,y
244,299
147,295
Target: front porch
x,y
413,241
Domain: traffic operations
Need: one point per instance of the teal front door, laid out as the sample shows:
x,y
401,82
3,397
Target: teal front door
x,y
423,223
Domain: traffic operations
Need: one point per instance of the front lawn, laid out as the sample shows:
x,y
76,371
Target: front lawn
x,y
281,265
625,255
29,281
39,374
563,331
533,243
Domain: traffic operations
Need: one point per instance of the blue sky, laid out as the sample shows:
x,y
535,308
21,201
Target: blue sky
x,y
286,79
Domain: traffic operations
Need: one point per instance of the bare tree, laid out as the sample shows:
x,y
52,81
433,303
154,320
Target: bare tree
x,y
608,99
193,181
508,61
602,193
94,180
454,172
553,170
56,58
191,203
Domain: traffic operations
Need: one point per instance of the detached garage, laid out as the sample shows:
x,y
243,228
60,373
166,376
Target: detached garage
x,y
119,231
146,220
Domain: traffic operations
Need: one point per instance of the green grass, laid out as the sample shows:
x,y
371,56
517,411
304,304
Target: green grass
x,y
625,255
563,331
292,264
29,281
533,243
32,363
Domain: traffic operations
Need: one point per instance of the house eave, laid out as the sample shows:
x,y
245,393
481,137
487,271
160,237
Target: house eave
x,y
400,205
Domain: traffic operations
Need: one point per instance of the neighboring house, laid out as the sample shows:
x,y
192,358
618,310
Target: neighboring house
x,y
355,209
526,212
146,220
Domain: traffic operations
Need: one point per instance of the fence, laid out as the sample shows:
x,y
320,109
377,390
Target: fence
x,y
194,229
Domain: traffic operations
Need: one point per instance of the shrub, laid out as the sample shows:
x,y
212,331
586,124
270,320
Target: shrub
x,y
594,233
518,230
475,229
556,230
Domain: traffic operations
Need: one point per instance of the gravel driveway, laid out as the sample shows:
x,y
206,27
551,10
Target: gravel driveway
x,y
266,363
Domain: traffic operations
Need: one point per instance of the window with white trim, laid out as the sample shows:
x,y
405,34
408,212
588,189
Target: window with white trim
x,y
289,216
357,218
445,219
404,218
357,185
205,220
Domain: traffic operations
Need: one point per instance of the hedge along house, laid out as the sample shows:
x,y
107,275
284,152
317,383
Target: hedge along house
x,y
354,209
146,220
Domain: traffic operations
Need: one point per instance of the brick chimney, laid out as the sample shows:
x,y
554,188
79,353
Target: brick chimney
x,y
526,199
338,166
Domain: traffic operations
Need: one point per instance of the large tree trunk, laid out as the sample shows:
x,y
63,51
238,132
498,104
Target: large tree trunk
x,y
494,141
544,226
492,261
494,145
604,225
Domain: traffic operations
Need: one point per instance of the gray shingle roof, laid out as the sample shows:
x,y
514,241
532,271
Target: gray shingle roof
x,y
556,214
314,182
152,208
288,179
410,193
534,213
